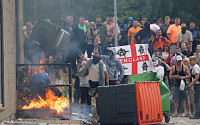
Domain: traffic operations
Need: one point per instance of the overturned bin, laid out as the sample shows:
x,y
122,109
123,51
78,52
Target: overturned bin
x,y
50,35
164,91
116,104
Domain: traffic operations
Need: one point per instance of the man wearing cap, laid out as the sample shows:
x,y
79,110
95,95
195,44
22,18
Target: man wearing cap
x,y
109,42
180,72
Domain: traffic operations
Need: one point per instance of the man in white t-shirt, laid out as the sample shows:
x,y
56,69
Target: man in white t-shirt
x,y
195,81
94,71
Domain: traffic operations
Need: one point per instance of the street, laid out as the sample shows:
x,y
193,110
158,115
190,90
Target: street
x,y
182,121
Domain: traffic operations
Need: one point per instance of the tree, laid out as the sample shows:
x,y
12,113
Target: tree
x,y
187,10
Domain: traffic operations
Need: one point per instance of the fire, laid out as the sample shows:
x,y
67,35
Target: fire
x,y
53,102
41,68
37,69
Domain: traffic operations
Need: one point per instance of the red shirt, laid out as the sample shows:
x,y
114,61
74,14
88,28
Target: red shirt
x,y
168,60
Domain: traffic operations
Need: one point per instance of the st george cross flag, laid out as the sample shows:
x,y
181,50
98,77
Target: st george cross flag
x,y
135,58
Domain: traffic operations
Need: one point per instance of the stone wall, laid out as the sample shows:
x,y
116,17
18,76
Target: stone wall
x,y
9,51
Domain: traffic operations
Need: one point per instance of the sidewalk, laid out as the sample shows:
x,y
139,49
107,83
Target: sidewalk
x,y
182,121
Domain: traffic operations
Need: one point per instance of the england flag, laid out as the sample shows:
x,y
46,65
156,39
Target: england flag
x,y
135,58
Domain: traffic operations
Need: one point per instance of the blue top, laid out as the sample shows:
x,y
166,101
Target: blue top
x,y
193,32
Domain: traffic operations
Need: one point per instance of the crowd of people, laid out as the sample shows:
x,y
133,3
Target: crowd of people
x,y
174,48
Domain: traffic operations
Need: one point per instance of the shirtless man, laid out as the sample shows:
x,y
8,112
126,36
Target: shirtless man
x,y
110,26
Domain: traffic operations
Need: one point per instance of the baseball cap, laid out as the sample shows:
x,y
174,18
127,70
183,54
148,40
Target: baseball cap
x,y
179,58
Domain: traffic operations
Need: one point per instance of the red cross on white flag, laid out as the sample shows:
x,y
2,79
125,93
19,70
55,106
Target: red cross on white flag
x,y
135,58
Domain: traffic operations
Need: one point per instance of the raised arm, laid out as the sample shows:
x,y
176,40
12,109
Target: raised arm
x,y
83,57
168,67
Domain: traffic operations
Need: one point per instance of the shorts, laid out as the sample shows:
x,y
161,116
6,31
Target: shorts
x,y
179,94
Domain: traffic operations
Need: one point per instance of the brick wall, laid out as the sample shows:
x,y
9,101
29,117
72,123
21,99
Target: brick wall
x,y
9,49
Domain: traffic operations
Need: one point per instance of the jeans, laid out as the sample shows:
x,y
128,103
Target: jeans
x,y
76,95
197,99
85,99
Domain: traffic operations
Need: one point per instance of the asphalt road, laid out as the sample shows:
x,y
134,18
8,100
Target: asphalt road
x,y
182,121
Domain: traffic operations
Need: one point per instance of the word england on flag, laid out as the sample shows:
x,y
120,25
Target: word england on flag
x,y
135,58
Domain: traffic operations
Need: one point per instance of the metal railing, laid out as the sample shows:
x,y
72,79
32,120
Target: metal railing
x,y
25,72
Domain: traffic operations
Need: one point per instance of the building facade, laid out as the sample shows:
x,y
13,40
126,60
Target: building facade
x,y
11,38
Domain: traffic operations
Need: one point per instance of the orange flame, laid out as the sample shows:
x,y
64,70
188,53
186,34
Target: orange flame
x,y
41,68
37,69
53,102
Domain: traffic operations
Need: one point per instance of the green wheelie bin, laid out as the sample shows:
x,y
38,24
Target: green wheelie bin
x,y
164,90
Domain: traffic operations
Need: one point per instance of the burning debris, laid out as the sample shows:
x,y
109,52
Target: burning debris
x,y
51,102
38,96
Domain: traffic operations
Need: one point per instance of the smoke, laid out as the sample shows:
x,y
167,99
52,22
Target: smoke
x,y
56,10
81,112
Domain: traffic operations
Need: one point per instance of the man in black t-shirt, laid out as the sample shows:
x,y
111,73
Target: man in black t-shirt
x,y
180,72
